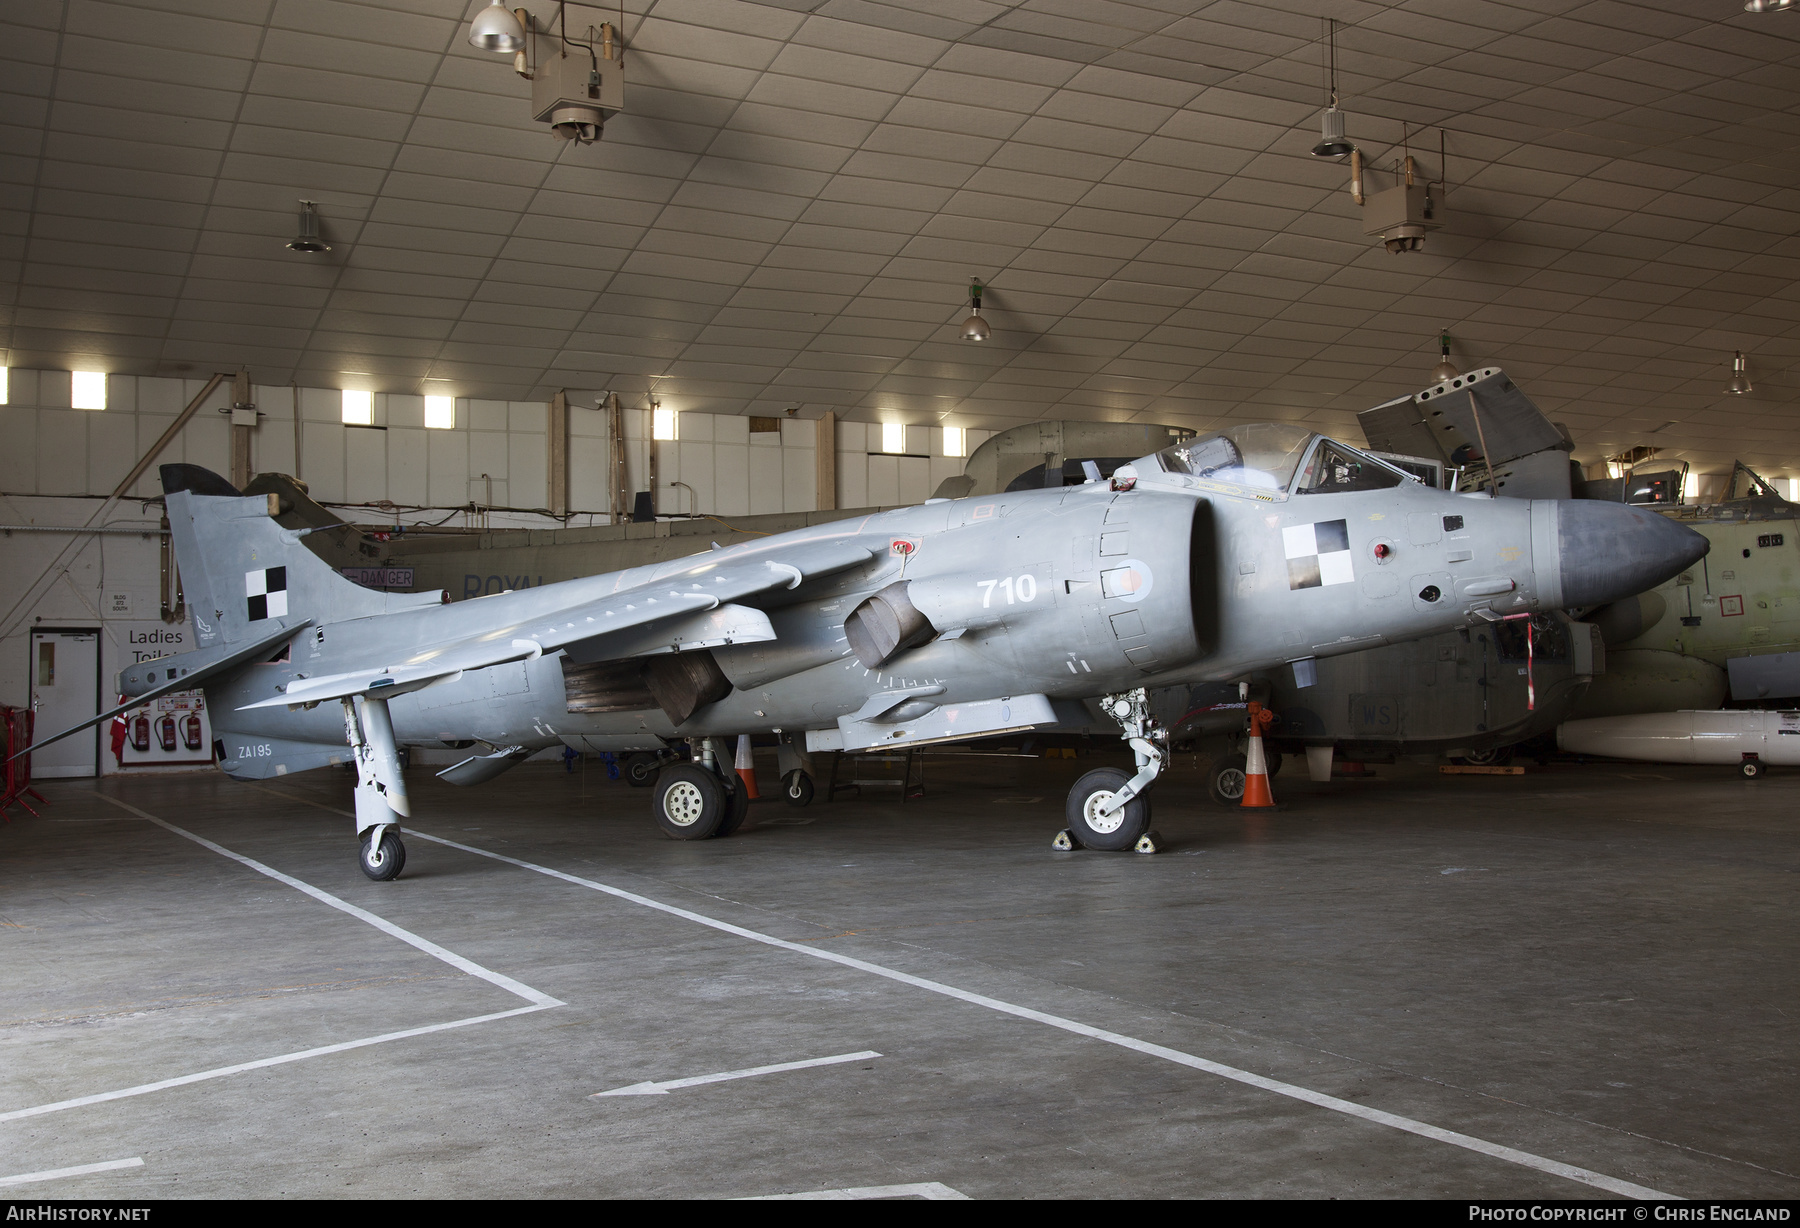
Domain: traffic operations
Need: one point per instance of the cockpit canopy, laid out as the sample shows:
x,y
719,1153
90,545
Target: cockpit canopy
x,y
1281,457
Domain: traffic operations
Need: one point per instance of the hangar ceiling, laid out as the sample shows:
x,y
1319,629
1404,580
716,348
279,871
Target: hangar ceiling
x,y
791,208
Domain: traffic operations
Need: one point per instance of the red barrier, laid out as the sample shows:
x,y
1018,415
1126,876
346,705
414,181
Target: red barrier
x,y
16,725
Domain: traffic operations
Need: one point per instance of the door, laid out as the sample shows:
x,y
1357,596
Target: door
x,y
65,690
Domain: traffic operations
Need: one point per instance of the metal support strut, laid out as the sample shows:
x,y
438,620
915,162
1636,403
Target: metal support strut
x,y
380,788
1131,709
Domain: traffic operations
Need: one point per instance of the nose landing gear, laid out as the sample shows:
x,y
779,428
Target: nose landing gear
x,y
1105,809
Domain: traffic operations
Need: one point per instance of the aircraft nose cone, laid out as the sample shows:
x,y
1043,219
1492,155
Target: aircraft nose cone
x,y
1613,550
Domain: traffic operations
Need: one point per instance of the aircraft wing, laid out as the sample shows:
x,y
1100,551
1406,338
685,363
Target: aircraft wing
x,y
694,603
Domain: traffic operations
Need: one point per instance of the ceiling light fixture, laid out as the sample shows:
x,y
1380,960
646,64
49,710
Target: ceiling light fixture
x,y
495,28
1740,375
1332,143
1445,370
975,328
308,239
1767,6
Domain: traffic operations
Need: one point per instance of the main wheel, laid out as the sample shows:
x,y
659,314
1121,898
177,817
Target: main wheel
x,y
1118,830
1752,768
1225,780
797,788
640,770
689,802
737,808
384,862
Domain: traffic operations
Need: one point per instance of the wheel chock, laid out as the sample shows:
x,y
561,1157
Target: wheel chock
x,y
1065,842
1149,842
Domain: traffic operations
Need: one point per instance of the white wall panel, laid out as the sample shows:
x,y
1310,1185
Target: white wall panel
x,y
731,474
766,479
852,477
18,458
528,468
322,449
487,454
62,452
111,449
22,388
799,480
487,415
694,466
365,465
915,479
408,472
206,439
587,473
883,482
448,459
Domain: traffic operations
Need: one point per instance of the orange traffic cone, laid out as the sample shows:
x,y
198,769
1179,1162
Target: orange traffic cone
x,y
746,767
1256,766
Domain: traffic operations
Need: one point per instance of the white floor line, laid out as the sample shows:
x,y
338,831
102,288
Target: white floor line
x,y
538,1001
663,1089
80,1170
144,1089
361,914
935,1191
1511,1155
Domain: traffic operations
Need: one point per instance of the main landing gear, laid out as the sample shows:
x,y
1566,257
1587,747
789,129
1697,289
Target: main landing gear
x,y
698,800
380,788
1106,810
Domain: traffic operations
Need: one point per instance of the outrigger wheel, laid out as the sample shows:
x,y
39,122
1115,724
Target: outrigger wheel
x,y
797,788
384,859
690,802
641,769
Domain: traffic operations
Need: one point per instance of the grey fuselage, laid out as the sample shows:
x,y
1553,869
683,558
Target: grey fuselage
x,y
1066,592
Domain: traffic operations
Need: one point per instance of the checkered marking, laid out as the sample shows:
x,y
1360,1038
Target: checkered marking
x,y
267,591
1318,554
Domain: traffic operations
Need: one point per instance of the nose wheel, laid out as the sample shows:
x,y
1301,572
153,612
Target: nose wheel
x,y
1106,809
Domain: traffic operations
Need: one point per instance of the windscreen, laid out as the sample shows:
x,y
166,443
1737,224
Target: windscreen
x,y
1260,454
1335,468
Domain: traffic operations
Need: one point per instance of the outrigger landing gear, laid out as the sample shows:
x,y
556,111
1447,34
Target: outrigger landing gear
x,y
380,788
1105,810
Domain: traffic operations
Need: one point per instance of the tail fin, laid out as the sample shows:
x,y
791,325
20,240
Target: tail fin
x,y
244,575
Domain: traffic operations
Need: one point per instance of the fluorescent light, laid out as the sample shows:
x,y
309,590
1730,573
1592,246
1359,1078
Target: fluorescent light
x,y
5,386
893,436
956,441
440,413
87,389
1690,489
1793,490
359,408
662,423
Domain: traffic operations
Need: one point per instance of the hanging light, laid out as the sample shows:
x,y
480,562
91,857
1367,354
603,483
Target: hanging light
x,y
1445,370
975,328
1332,143
308,239
1766,6
496,29
1740,375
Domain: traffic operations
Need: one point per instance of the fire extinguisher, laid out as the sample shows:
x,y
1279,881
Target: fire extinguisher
x,y
190,731
140,734
165,732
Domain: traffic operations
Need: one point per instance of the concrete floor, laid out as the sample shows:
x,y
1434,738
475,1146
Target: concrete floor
x,y
1594,965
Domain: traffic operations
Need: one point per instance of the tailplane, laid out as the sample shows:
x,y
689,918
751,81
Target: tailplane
x,y
244,575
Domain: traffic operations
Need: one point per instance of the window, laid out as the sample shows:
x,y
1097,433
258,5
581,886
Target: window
x,y
893,436
440,413
956,441
662,423
87,389
359,408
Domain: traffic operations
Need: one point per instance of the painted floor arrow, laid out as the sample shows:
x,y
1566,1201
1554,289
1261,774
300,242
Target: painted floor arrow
x,y
663,1089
